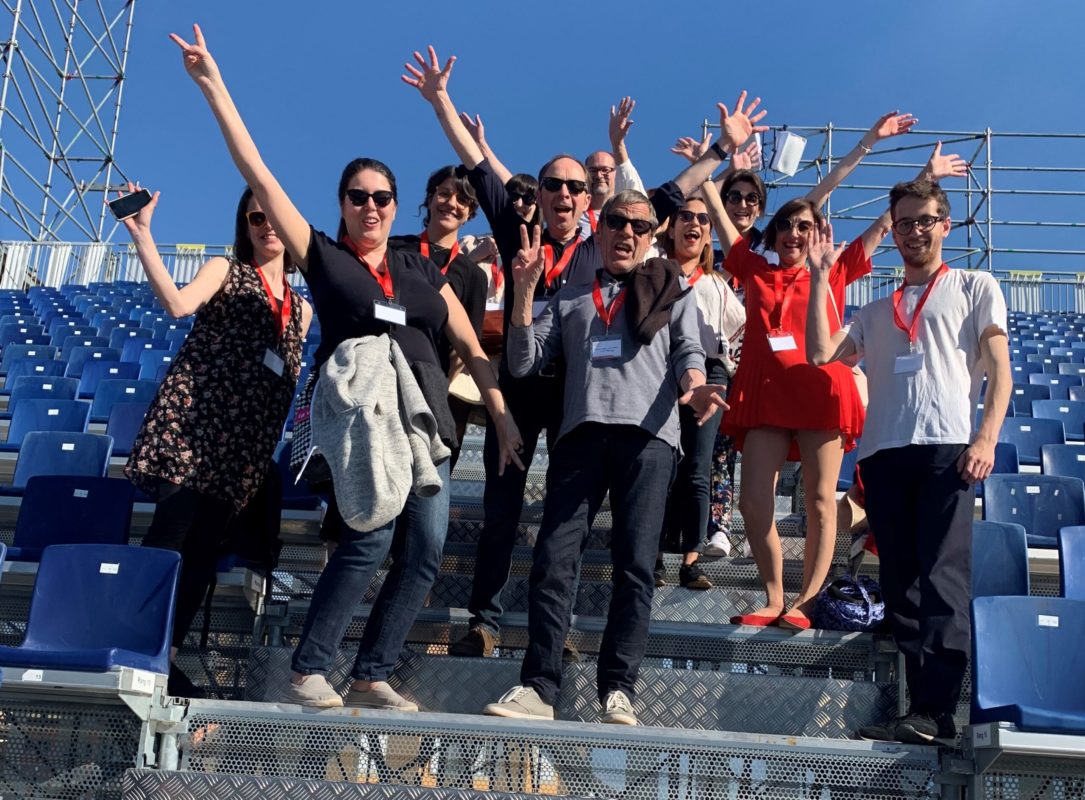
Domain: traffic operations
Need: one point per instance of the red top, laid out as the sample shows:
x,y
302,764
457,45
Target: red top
x,y
780,389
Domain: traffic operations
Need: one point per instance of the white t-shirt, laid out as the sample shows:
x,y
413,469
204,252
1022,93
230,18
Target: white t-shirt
x,y
721,315
936,404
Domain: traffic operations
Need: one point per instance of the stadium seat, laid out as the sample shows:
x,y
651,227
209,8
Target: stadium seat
x,y
1022,395
999,559
1072,562
15,351
1006,463
1030,435
151,360
125,420
98,607
72,342
161,329
71,509
60,335
1067,460
1026,656
34,387
42,367
1059,385
18,332
1042,504
97,371
81,355
1072,369
119,336
112,391
176,338
34,414
132,350
60,453
1020,370
1077,393
1071,413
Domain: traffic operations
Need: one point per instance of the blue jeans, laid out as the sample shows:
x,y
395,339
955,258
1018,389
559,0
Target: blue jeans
x,y
347,577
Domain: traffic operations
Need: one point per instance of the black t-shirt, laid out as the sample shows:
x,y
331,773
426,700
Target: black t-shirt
x,y
467,279
343,293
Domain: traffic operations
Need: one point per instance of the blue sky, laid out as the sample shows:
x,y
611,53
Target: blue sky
x,y
318,84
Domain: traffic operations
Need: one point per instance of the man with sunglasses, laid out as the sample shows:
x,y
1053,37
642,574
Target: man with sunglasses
x,y
536,400
631,343
926,349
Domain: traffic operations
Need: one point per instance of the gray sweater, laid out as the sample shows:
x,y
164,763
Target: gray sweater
x,y
641,388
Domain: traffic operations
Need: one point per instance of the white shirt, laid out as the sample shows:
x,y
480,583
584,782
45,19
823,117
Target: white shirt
x,y
930,405
722,317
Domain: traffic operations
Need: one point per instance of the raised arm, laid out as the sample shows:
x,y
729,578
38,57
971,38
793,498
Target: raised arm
x,y
891,124
735,129
431,81
290,225
821,346
478,132
726,231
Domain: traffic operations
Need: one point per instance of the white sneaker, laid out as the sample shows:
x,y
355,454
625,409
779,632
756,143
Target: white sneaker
x,y
617,710
314,691
380,696
520,702
717,546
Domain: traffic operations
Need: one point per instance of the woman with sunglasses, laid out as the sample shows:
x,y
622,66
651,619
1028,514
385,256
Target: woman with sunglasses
x,y
362,287
687,239
208,438
782,408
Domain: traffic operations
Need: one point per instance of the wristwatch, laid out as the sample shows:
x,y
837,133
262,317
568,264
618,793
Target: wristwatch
x,y
719,151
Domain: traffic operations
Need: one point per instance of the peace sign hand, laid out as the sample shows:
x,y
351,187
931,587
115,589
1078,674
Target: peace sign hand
x,y
431,79
199,64
821,252
739,126
527,265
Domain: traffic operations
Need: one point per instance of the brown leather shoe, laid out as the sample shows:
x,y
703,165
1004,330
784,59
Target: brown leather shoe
x,y
477,643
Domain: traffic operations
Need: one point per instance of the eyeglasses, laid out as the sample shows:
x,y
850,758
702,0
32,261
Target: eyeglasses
x,y
359,197
689,216
445,195
735,198
527,198
617,222
801,225
256,218
923,224
601,170
555,184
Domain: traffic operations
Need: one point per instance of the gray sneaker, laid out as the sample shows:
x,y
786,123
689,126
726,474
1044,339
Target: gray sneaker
x,y
313,692
617,710
520,702
380,696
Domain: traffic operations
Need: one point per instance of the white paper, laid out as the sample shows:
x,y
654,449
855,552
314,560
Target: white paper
x,y
389,312
908,363
783,342
1047,621
273,361
107,568
606,348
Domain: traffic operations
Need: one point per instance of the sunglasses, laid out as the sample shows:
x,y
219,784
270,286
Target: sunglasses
x,y
736,198
359,198
617,222
256,218
923,224
801,225
555,184
689,216
527,198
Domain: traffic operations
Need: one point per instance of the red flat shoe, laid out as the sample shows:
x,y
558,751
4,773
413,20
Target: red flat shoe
x,y
754,620
793,622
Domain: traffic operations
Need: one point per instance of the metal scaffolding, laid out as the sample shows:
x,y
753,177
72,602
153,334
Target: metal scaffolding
x,y
64,65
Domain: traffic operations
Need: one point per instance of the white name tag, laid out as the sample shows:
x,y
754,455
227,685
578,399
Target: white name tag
x,y
606,348
1047,621
780,342
389,312
537,307
273,361
907,363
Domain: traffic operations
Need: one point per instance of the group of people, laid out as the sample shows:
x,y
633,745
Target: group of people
x,y
646,357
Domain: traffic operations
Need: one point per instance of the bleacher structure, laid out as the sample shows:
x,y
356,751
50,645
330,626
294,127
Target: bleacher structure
x,y
725,711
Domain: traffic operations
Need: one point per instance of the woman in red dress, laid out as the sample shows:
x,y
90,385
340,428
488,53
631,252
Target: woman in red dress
x,y
782,408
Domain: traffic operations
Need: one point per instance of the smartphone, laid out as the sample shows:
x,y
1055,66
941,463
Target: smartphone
x,y
130,204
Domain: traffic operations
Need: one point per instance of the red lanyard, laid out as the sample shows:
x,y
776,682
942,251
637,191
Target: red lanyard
x,y
554,270
592,220
497,275
607,314
898,299
383,278
284,308
783,296
424,249
694,276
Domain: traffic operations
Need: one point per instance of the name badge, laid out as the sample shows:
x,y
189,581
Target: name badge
x,y
908,363
537,307
780,342
606,348
387,311
273,361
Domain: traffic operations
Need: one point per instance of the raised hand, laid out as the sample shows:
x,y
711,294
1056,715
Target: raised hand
x,y
941,166
140,222
474,127
739,126
820,251
527,265
691,149
620,121
430,79
892,124
749,158
199,64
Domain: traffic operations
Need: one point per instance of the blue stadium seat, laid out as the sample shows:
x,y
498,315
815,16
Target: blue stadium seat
x,y
33,387
162,329
125,420
1059,385
1042,504
71,509
42,367
18,332
82,330
999,559
1030,435
1020,370
1069,412
60,453
15,351
132,350
73,342
1072,369
98,607
1072,562
45,415
95,372
81,355
114,391
1006,463
176,338
119,336
160,373
1022,395
151,360
1026,657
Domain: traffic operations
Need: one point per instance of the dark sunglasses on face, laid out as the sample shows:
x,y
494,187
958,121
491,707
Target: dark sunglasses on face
x,y
256,218
359,198
617,222
923,224
555,184
528,198
801,225
689,216
751,198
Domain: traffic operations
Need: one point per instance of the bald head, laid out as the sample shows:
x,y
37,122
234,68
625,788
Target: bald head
x,y
601,167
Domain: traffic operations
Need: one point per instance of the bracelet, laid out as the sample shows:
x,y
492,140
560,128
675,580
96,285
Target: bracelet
x,y
719,151
866,150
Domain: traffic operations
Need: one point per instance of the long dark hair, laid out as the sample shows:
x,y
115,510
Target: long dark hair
x,y
243,249
462,187
352,169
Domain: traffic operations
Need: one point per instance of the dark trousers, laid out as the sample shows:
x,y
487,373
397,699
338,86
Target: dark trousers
x,y
920,513
195,525
536,405
637,468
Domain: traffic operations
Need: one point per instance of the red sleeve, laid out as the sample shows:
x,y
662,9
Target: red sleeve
x,y
740,262
853,264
